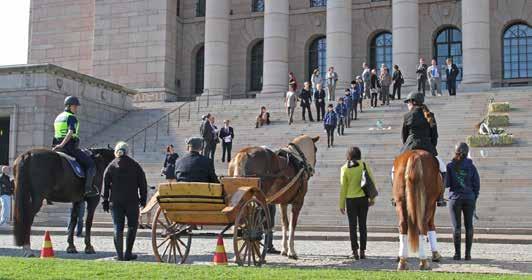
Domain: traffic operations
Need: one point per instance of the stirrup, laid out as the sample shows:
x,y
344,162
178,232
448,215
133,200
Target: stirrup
x,y
441,202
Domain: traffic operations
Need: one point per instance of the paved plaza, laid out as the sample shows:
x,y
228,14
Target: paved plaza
x,y
487,258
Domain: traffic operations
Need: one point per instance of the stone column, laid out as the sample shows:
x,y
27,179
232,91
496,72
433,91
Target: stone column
x,y
476,44
275,77
339,42
217,25
405,30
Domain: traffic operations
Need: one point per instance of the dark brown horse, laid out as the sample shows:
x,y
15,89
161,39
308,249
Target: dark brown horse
x,y
416,188
284,178
42,174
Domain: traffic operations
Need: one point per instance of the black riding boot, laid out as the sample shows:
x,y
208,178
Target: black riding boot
x,y
119,245
468,244
89,189
457,239
130,241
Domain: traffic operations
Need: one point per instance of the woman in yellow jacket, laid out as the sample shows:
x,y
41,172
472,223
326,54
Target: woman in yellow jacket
x,y
354,199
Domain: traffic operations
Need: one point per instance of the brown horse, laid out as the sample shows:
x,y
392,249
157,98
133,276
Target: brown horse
x,y
416,188
284,178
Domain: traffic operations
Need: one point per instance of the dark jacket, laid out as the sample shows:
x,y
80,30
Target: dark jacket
x,y
124,183
207,132
194,167
6,185
319,95
453,73
341,110
330,119
169,165
226,132
397,78
463,182
374,82
421,71
417,133
306,97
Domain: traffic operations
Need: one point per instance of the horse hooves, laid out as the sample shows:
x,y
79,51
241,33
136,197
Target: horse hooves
x,y
436,257
29,255
424,265
402,265
293,257
284,254
89,250
71,250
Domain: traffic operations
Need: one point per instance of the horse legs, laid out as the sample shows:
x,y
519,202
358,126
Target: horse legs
x,y
36,206
436,257
92,203
293,223
74,213
284,221
403,237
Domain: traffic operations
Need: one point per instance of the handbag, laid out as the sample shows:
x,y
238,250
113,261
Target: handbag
x,y
367,184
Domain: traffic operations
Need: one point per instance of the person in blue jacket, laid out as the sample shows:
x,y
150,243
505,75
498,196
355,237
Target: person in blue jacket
x,y
329,122
349,105
341,114
463,182
357,89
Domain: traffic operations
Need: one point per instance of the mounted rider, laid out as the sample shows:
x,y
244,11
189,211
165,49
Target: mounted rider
x,y
66,139
420,131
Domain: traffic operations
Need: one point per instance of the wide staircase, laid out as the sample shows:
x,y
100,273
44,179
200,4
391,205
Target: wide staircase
x,y
506,177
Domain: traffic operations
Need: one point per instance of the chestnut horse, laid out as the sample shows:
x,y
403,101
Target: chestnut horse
x,y
284,178
416,188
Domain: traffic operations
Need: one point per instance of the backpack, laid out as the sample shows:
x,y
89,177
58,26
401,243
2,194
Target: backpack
x,y
401,79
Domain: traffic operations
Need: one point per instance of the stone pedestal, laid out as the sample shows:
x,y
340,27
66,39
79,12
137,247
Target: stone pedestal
x,y
339,41
275,77
217,25
476,45
405,21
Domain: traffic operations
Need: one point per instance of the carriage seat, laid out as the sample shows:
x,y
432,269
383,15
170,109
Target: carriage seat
x,y
191,196
76,167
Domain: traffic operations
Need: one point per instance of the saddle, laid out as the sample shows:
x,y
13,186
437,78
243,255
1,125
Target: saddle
x,y
74,164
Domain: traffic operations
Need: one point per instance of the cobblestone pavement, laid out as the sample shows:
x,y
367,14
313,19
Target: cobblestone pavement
x,y
487,258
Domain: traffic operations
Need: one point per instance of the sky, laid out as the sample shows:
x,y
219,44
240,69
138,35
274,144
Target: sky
x,y
14,21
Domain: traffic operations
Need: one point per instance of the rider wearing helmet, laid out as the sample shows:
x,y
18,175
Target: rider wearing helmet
x,y
66,139
420,130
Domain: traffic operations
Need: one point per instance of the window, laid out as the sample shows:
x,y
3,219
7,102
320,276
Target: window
x,y
199,70
178,9
318,56
200,8
517,52
381,51
256,66
257,6
318,3
448,44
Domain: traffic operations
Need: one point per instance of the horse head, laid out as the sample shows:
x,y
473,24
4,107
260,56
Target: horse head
x,y
308,147
102,157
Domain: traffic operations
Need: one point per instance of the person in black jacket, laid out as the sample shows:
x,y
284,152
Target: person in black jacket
x,y
210,137
319,101
421,72
169,163
6,191
193,167
306,99
124,190
451,72
398,81
227,134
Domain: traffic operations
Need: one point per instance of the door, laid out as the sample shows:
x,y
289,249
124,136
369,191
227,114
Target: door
x,y
4,141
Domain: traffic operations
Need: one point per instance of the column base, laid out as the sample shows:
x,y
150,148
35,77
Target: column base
x,y
273,91
472,87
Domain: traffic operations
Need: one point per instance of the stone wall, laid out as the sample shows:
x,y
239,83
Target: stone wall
x,y
33,95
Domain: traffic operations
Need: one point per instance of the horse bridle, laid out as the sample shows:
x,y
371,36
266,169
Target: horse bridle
x,y
308,168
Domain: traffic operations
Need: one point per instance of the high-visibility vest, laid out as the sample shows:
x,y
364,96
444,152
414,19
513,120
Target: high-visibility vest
x,y
61,126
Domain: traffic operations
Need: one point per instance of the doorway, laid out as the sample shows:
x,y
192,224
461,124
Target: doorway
x,y
4,140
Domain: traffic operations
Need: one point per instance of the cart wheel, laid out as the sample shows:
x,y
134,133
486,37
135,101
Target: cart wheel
x,y
250,234
170,241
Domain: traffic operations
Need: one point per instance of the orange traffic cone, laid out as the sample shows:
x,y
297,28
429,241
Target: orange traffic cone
x,y
220,257
47,249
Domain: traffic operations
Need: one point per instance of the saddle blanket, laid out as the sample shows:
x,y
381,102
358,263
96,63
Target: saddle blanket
x,y
76,167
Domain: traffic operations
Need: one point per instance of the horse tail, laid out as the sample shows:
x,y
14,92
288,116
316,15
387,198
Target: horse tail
x,y
239,165
415,199
22,201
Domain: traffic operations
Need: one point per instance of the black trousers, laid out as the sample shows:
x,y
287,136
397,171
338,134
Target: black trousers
x,y
330,134
357,214
396,89
226,149
421,85
320,110
451,87
456,209
306,108
119,214
374,99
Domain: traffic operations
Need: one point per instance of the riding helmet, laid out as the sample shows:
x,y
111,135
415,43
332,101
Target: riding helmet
x,y
461,148
71,100
415,96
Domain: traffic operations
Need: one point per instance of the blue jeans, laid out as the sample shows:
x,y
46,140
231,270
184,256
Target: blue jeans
x,y
81,215
6,208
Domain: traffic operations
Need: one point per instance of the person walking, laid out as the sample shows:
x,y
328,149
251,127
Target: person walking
x,y
306,99
386,82
398,82
290,103
374,88
329,123
451,73
353,200
463,182
348,101
124,190
6,191
292,82
319,102
227,134
366,80
341,114
331,79
356,95
316,80
434,76
169,163
421,72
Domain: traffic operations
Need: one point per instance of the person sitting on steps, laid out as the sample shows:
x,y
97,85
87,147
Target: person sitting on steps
x,y
66,139
263,118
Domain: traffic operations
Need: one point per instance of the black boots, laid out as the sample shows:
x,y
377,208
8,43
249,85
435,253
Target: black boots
x,y
130,241
119,245
457,239
469,243
89,190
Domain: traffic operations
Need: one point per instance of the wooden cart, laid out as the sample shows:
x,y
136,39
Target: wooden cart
x,y
184,207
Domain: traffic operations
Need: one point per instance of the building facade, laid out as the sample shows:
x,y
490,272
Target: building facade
x,y
176,49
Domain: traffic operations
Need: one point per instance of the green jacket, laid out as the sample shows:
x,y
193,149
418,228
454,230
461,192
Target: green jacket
x,y
350,178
